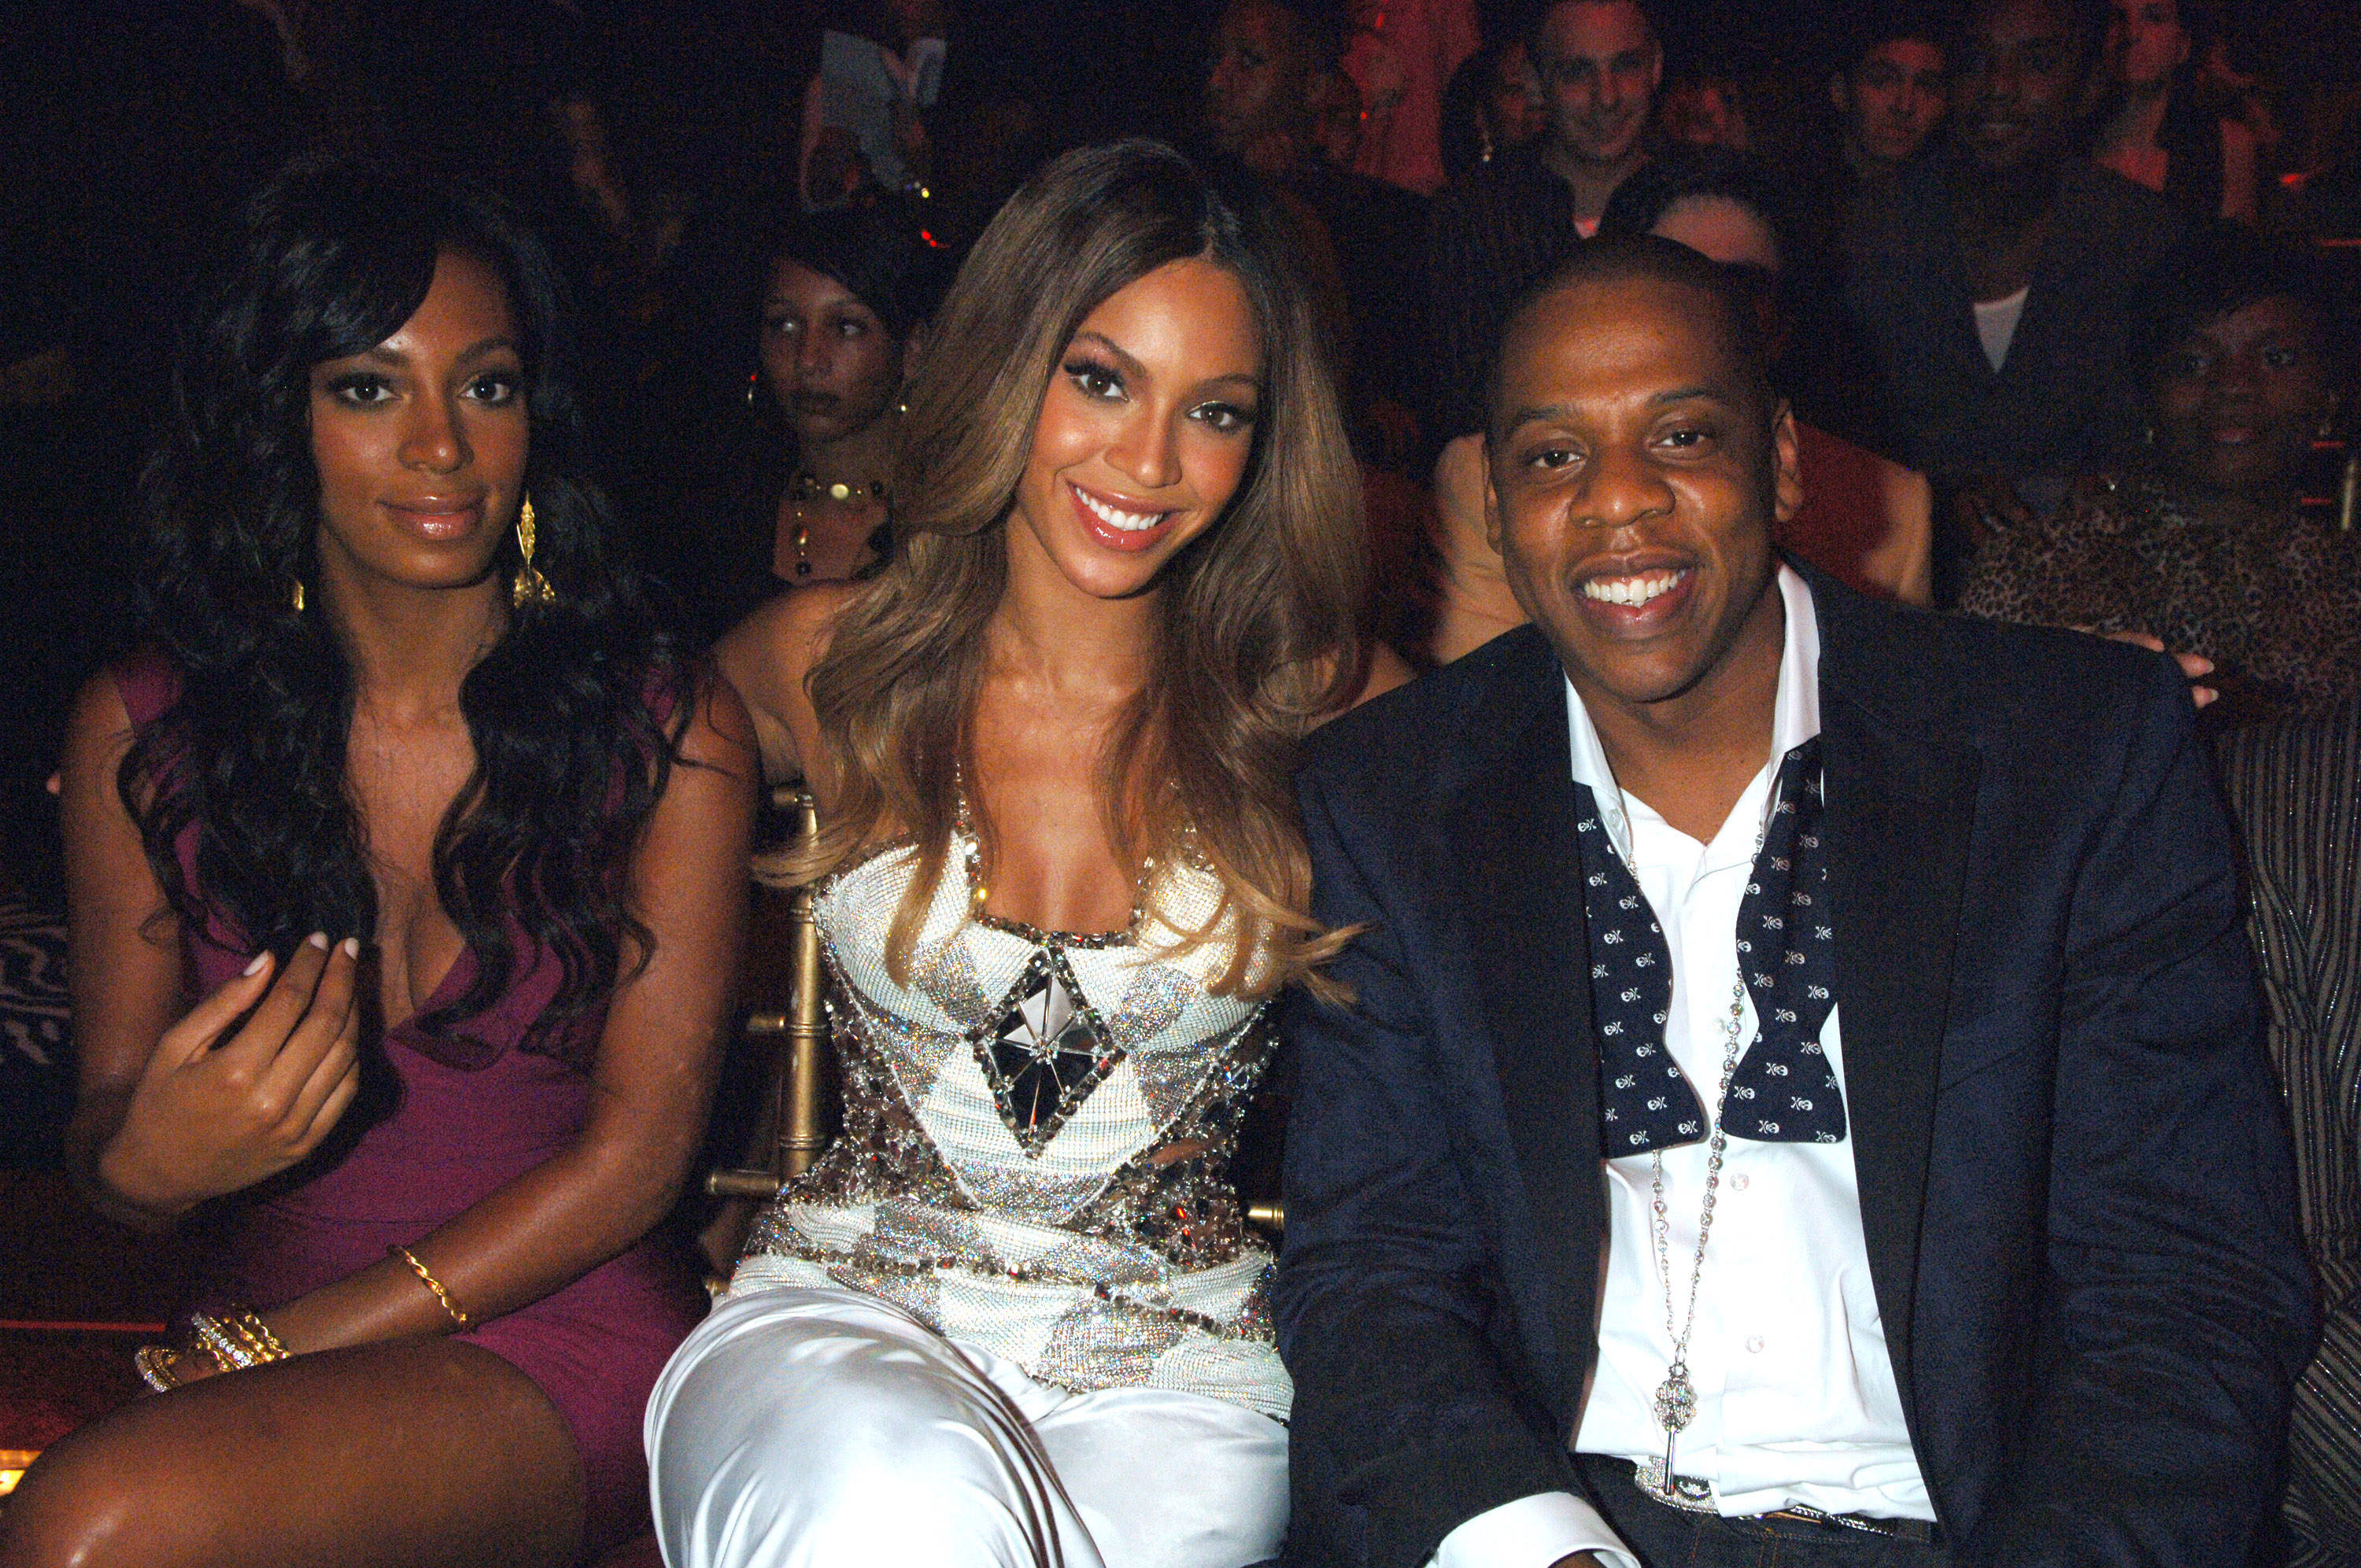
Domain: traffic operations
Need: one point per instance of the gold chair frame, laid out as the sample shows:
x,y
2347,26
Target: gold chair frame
x,y
799,1071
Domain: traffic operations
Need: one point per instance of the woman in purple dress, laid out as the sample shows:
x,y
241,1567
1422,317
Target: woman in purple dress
x,y
407,867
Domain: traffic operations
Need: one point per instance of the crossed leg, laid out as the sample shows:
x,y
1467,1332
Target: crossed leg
x,y
411,1454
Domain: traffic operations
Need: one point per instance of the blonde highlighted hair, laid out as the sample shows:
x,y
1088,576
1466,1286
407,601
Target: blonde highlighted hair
x,y
1257,618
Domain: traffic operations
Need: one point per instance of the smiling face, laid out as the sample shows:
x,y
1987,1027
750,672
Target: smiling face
x,y
1144,433
1892,100
420,442
1635,468
831,366
2239,399
2022,82
1599,68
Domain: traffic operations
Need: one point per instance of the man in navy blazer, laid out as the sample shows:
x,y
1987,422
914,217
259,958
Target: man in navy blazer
x,y
2020,1285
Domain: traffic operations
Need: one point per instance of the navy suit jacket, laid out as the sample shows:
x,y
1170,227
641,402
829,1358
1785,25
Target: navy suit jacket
x,y
2075,1184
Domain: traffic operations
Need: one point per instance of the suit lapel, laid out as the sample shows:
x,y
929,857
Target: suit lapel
x,y
1900,807
1510,839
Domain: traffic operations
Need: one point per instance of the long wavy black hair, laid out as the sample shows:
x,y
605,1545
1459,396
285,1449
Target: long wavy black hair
x,y
575,712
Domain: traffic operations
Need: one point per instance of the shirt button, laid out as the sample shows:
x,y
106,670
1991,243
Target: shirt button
x,y
1740,1182
1754,1345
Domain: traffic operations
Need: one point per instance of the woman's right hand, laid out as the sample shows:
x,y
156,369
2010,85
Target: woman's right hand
x,y
211,1115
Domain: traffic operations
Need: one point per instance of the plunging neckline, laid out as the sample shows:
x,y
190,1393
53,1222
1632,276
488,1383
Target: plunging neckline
x,y
463,959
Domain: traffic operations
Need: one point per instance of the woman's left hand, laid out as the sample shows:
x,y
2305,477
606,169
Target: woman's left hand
x,y
2193,665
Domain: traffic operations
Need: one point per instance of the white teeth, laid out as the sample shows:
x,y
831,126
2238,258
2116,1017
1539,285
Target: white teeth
x,y
1632,590
1129,521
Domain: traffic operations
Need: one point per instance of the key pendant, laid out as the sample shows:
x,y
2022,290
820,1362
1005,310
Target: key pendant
x,y
1675,1404
1675,1407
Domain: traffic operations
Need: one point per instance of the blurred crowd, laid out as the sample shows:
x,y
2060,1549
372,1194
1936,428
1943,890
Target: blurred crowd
x,y
702,170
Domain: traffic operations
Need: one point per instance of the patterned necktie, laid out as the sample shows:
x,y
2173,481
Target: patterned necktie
x,y
1783,1090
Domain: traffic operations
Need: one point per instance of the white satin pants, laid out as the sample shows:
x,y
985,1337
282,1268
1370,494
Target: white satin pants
x,y
825,1429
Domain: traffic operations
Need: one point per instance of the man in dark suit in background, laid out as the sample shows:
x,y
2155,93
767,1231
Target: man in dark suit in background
x,y
1800,1092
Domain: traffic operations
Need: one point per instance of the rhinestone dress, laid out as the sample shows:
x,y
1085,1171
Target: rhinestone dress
x,y
1038,1132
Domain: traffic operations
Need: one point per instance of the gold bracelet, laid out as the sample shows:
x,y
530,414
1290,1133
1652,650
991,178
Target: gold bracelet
x,y
216,1342
234,1342
255,1334
410,1258
157,1365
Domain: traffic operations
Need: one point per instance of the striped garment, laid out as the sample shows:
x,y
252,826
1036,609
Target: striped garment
x,y
2295,788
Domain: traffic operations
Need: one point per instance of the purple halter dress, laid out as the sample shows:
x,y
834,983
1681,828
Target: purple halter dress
x,y
472,1113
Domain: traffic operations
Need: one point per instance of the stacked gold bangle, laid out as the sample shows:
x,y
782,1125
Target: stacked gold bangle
x,y
458,1315
232,1342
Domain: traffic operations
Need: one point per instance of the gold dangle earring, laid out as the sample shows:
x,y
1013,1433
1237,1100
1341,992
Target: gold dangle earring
x,y
530,586
297,598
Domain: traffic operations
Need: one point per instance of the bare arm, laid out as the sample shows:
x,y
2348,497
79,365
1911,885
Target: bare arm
x,y
651,1084
159,1131
171,1110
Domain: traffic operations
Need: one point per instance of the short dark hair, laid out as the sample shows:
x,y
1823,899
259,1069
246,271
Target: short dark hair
x,y
1876,23
883,254
1324,26
2087,23
1630,257
2231,267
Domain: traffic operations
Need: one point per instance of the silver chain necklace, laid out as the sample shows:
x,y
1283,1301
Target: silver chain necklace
x,y
1675,1401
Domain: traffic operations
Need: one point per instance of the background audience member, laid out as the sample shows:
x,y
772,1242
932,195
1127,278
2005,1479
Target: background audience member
x,y
1890,93
1600,64
1403,53
804,494
2294,787
1704,106
1273,64
1493,104
401,693
2160,131
2203,544
2002,286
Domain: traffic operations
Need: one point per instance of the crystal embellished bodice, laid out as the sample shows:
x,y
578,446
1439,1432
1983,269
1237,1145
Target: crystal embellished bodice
x,y
1038,1132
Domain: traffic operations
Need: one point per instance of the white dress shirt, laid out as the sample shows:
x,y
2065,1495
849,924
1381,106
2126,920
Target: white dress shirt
x,y
1796,1394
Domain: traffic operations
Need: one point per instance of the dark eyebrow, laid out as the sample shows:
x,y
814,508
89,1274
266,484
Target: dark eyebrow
x,y
1131,366
1124,361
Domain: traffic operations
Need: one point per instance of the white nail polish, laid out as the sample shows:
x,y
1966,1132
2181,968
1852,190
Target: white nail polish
x,y
352,945
260,958
318,939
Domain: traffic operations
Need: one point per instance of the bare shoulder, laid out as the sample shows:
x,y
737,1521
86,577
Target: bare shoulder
x,y
767,658
720,731
98,732
769,653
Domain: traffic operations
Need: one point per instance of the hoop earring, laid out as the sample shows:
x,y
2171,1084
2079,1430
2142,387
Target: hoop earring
x,y
297,598
529,586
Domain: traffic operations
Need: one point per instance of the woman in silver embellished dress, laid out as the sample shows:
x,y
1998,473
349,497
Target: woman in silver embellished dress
x,y
1013,1316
